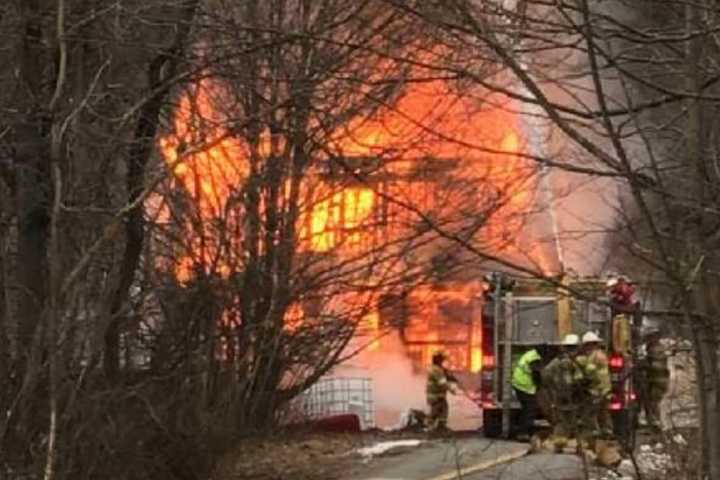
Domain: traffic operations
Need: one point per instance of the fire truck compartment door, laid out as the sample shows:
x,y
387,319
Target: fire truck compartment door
x,y
535,320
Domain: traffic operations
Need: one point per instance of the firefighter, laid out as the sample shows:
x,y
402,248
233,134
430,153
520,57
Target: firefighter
x,y
525,381
655,378
594,363
560,381
622,294
439,383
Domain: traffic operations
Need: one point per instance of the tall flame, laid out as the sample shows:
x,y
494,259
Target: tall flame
x,y
481,145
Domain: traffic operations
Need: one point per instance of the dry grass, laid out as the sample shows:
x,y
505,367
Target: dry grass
x,y
303,455
290,457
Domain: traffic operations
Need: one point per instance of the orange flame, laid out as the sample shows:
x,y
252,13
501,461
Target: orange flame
x,y
345,210
205,158
480,144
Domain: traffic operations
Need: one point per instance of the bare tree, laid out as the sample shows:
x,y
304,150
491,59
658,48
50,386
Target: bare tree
x,y
154,301
80,100
303,187
628,90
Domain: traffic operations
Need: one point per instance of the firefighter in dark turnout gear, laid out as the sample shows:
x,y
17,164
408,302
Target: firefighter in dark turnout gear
x,y
654,378
562,382
439,383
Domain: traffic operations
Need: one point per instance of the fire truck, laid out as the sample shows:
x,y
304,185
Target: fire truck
x,y
519,314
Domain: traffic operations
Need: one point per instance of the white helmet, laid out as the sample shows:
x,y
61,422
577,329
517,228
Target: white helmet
x,y
591,337
570,340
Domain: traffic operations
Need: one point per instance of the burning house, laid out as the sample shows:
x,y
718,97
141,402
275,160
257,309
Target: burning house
x,y
383,228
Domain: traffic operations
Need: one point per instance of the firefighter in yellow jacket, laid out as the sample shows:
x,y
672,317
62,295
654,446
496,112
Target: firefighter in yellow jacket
x,y
594,363
439,383
525,379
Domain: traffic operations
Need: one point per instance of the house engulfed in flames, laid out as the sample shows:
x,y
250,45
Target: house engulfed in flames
x,y
362,197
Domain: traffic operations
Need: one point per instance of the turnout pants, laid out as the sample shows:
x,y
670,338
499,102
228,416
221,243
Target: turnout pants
x,y
651,399
597,422
528,413
437,420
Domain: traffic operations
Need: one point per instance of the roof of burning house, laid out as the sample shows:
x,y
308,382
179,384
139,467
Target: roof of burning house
x,y
532,287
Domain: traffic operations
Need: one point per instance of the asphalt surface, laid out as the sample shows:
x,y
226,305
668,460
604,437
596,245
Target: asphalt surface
x,y
541,466
468,457
441,459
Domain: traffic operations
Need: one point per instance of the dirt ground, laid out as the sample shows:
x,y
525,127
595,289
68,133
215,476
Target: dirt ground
x,y
300,456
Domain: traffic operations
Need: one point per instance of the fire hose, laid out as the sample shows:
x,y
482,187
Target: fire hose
x,y
458,386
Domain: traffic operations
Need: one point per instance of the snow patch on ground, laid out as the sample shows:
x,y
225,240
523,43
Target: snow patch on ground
x,y
679,407
653,459
610,475
679,439
382,448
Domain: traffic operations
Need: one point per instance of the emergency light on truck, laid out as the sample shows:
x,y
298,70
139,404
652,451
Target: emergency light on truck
x,y
616,362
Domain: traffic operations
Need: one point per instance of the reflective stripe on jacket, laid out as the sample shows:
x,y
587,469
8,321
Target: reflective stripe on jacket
x,y
522,376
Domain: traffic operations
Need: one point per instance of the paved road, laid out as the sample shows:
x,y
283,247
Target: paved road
x,y
439,459
540,466
474,458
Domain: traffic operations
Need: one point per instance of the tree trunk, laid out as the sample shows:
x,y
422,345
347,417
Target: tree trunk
x,y
4,340
138,156
705,348
33,186
705,338
704,329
